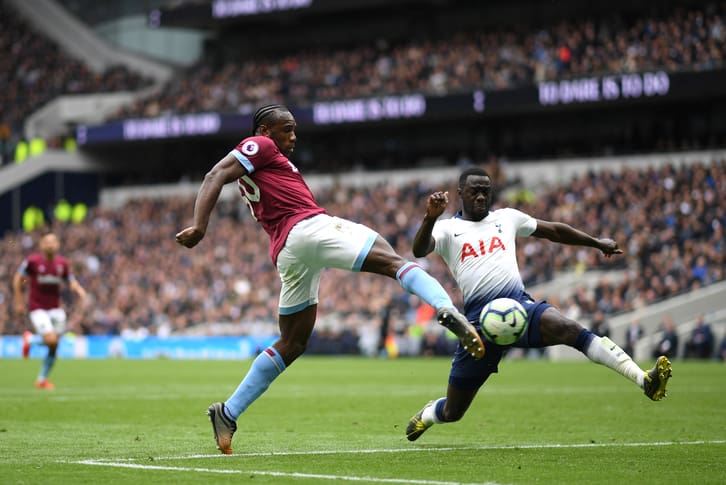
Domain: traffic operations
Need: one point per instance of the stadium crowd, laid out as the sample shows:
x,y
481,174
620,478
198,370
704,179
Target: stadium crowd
x,y
489,59
34,71
669,220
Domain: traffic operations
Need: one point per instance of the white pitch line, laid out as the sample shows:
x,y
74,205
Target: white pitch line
x,y
276,474
422,449
125,462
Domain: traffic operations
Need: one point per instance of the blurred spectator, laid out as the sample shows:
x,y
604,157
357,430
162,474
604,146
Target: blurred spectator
x,y
668,344
599,326
722,349
633,334
700,344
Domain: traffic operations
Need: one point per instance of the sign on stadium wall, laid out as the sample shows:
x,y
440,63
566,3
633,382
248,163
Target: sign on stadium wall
x,y
152,347
581,93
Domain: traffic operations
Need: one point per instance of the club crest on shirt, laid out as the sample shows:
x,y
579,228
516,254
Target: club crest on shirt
x,y
250,148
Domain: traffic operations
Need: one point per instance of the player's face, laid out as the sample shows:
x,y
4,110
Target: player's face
x,y
282,132
49,244
476,196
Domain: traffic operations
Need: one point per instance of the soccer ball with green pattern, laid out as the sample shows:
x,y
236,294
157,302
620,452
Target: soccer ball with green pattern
x,y
503,321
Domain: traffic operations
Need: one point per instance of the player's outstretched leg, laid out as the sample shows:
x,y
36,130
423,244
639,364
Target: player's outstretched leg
x,y
27,336
222,426
417,281
654,383
468,336
417,425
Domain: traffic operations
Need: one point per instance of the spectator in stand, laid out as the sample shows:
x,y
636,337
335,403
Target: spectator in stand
x,y
633,334
722,349
599,326
700,344
668,343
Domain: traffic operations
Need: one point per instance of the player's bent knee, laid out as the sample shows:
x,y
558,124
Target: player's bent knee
x,y
50,339
557,329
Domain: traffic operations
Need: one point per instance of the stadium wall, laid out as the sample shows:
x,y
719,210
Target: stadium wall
x,y
58,117
151,347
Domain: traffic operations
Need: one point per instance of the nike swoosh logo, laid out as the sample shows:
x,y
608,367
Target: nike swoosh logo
x,y
457,235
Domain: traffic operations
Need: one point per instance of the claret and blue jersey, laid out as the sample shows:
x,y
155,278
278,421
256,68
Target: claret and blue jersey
x,y
273,189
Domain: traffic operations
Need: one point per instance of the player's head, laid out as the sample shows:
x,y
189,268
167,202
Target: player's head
x,y
475,191
277,123
49,243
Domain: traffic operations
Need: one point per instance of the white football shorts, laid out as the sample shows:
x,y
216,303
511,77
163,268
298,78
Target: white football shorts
x,y
47,321
313,244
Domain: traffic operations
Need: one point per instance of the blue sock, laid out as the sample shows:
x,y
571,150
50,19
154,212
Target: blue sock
x,y
46,366
583,339
266,367
439,410
417,281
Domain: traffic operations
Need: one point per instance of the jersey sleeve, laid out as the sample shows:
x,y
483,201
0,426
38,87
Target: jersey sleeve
x,y
441,234
254,152
23,269
524,223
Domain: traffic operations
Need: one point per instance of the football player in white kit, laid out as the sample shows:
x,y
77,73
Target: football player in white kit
x,y
478,246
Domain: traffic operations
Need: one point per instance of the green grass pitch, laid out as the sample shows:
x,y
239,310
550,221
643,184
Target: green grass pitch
x,y
329,419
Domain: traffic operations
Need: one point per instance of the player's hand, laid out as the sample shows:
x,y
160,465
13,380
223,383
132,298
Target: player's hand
x,y
609,247
190,237
437,204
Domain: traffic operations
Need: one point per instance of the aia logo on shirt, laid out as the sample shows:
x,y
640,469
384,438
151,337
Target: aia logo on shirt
x,y
483,247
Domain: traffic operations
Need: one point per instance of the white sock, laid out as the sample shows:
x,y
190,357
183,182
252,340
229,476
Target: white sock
x,y
604,351
429,413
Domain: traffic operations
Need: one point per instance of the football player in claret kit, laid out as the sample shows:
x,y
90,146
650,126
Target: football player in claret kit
x,y
45,272
478,246
304,240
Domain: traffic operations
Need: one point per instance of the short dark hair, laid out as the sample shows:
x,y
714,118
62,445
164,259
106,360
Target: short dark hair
x,y
266,114
472,171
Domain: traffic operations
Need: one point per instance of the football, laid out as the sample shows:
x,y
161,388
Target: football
x,y
503,321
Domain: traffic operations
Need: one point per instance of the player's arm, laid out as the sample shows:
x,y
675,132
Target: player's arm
x,y
562,233
76,288
18,282
423,242
225,171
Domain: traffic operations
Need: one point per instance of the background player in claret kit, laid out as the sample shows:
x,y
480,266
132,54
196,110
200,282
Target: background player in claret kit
x,y
45,272
478,246
303,241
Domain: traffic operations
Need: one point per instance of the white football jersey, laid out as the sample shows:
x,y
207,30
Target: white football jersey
x,y
481,255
